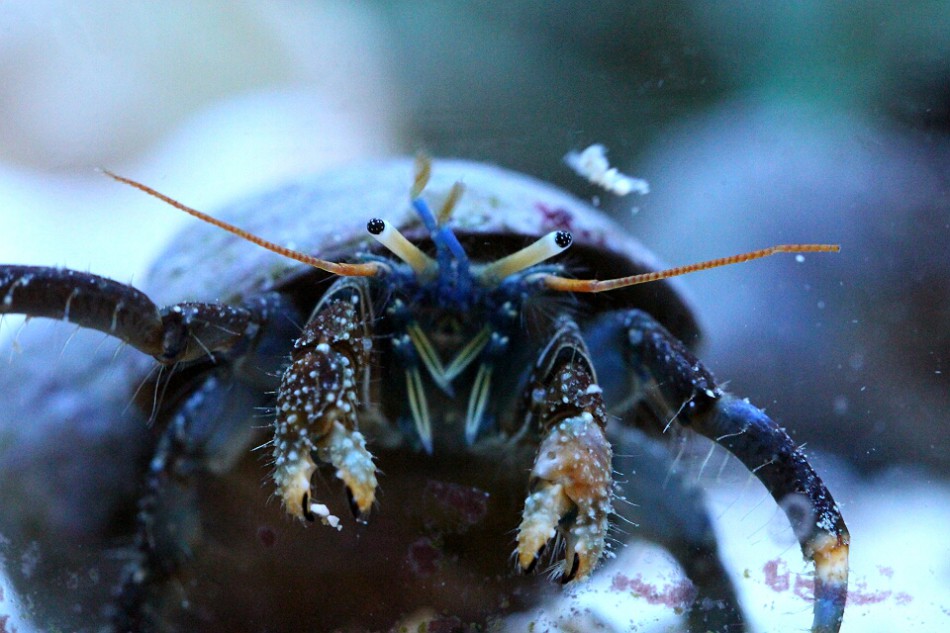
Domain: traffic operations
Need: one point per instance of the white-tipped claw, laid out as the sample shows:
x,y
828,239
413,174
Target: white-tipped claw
x,y
571,496
346,450
292,477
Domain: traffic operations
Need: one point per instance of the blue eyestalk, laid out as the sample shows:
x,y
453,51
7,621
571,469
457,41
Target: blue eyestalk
x,y
455,275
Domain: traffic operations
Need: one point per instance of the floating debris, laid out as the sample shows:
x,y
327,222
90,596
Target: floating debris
x,y
592,164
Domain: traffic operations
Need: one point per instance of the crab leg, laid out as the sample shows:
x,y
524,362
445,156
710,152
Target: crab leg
x,y
318,401
675,517
676,385
571,485
187,451
178,333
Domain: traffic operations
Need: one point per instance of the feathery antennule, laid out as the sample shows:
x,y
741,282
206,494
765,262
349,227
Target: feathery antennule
x,y
447,243
445,212
344,270
564,284
542,249
396,243
422,172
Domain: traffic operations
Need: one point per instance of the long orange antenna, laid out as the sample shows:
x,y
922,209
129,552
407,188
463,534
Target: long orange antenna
x,y
565,284
345,270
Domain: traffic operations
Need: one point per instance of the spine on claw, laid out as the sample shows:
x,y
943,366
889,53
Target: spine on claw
x,y
318,402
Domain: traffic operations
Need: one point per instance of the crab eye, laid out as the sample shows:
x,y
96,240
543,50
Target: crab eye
x,y
397,244
375,226
544,248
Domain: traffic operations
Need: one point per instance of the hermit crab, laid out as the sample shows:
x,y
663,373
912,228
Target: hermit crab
x,y
460,402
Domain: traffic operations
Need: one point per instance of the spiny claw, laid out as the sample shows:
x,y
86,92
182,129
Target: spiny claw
x,y
543,510
293,487
346,450
292,476
361,516
343,448
534,561
319,401
570,495
575,565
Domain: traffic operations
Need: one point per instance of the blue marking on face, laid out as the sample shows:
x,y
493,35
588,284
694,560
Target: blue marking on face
x,y
454,282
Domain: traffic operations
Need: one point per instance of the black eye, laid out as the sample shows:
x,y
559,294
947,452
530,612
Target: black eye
x,y
375,226
563,239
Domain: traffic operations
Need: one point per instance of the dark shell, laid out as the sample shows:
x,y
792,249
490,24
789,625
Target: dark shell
x,y
326,215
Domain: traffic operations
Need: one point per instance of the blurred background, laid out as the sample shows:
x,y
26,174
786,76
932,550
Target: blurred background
x,y
755,123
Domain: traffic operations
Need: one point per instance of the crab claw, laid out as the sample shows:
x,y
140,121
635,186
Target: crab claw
x,y
570,497
346,450
317,407
292,477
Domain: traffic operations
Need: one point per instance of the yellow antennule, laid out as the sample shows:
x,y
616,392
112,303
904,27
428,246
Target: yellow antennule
x,y
541,249
344,270
564,284
445,212
423,171
390,237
